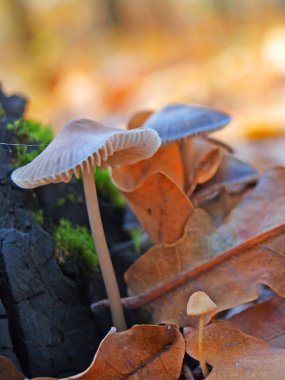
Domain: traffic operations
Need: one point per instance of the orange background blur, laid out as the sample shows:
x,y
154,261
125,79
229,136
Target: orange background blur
x,y
106,59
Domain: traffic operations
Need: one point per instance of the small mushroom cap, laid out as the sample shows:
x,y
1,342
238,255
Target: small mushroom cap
x,y
200,304
83,144
177,121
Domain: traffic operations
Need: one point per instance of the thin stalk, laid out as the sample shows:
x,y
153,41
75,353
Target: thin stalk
x,y
201,357
185,147
103,251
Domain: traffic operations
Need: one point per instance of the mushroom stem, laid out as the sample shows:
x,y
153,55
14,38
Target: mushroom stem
x,y
103,251
185,147
202,361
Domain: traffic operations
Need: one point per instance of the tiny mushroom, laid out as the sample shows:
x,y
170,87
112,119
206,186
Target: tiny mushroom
x,y
199,305
179,122
80,146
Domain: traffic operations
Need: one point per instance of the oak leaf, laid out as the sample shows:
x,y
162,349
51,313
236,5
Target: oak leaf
x,y
161,207
232,175
265,320
259,209
251,240
235,355
142,352
229,279
138,119
8,370
166,160
205,158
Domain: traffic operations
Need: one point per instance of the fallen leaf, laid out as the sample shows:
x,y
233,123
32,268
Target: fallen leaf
x,y
220,205
161,207
166,160
8,370
138,119
205,159
235,355
265,320
232,175
229,279
259,209
168,273
142,352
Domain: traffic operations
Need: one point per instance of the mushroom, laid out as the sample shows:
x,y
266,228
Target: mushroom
x,y
179,122
199,305
80,146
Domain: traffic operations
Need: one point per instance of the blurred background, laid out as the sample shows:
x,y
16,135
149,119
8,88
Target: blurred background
x,y
107,59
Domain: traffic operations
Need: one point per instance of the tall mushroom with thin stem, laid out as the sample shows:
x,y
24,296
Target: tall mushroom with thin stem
x,y
79,147
179,122
199,305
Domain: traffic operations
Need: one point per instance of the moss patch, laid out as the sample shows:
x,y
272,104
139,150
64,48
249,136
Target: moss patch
x,y
30,132
39,216
107,189
137,237
76,242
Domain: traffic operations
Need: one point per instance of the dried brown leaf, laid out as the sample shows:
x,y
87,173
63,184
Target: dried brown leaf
x,y
153,203
142,352
232,175
229,279
166,160
138,119
169,273
265,320
235,355
205,159
8,370
259,209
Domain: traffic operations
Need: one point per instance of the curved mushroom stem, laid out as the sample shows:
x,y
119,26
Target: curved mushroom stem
x,y
202,361
102,250
185,148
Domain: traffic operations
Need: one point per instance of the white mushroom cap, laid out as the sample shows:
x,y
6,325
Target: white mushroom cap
x,y
83,144
200,304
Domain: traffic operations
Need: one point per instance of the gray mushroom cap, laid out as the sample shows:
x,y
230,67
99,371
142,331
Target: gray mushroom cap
x,y
83,144
176,121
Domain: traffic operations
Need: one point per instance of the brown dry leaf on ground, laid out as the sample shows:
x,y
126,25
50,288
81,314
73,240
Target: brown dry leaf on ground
x,y
138,119
221,204
205,157
259,209
229,279
8,371
142,352
153,203
265,320
232,175
235,355
169,273
166,160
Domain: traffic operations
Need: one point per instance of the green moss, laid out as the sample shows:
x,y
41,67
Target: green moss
x,y
30,132
39,216
136,235
76,242
2,111
60,202
107,189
